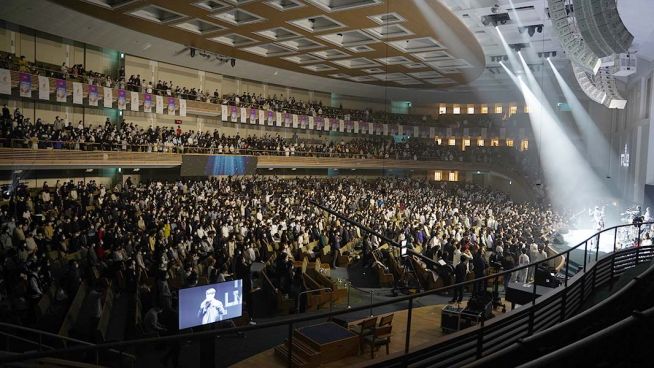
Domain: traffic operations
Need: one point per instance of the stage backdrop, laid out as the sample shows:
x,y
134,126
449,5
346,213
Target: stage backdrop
x,y
204,165
191,300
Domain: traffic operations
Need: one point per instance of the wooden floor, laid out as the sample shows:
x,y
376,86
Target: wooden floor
x,y
425,328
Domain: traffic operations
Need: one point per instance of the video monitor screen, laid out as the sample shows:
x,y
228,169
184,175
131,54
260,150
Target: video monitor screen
x,y
205,165
211,303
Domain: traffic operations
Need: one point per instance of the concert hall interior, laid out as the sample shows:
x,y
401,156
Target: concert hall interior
x,y
326,183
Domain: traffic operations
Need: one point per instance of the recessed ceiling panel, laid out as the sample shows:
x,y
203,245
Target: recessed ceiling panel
x,y
239,2
426,75
340,76
407,82
391,76
338,5
387,18
111,4
433,56
449,70
199,26
349,38
422,44
356,63
319,67
361,48
302,59
233,39
389,31
278,34
363,78
415,65
211,5
330,54
268,50
238,17
284,5
394,60
437,81
373,70
455,63
156,14
318,23
301,44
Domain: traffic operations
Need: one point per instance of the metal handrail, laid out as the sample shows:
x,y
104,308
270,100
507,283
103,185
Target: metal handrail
x,y
291,321
41,333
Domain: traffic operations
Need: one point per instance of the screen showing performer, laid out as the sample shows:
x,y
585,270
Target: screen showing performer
x,y
210,303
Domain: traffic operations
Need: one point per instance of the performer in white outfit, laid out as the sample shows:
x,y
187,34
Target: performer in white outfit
x,y
598,218
211,309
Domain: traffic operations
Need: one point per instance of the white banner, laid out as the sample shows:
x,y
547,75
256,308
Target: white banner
x,y
341,126
182,107
311,122
296,120
356,126
224,112
262,117
327,124
134,101
278,119
44,88
107,97
371,128
158,104
78,93
385,130
5,81
244,115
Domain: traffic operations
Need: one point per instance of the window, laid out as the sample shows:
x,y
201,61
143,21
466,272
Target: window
x,y
451,141
495,142
498,108
480,142
454,176
513,109
466,142
438,175
438,141
526,109
484,109
442,109
509,142
471,109
456,109
524,145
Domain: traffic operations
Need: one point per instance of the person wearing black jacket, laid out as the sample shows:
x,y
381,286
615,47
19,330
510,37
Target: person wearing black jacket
x,y
460,273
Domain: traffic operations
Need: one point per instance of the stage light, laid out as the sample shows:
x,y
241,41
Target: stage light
x,y
232,62
531,30
553,53
539,29
192,52
506,58
485,21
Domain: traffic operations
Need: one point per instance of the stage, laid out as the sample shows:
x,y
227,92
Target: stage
x,y
576,236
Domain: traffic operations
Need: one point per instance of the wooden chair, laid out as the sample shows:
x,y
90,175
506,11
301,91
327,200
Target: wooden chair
x,y
363,329
380,336
386,319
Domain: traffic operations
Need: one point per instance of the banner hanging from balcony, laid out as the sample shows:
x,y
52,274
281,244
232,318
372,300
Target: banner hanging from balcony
x,y
44,88
278,119
147,102
134,101
233,114
296,121
307,123
93,95
25,85
262,117
78,93
171,106
158,104
244,115
5,81
224,112
60,90
253,116
270,119
122,99
107,97
182,107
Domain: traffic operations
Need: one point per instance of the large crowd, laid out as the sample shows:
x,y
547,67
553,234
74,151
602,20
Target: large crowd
x,y
156,229
21,132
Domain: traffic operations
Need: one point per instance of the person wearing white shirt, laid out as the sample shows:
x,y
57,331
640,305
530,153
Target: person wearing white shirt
x,y
521,276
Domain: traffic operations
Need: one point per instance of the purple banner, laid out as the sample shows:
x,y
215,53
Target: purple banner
x,y
304,120
233,113
25,85
319,122
287,120
270,117
253,116
363,127
93,95
379,128
171,105
349,126
60,86
147,102
335,124
122,99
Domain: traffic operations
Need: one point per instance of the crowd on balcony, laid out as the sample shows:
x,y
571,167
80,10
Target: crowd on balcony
x,y
181,233
18,131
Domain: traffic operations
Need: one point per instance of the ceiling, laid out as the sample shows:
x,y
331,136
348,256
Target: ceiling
x,y
381,42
